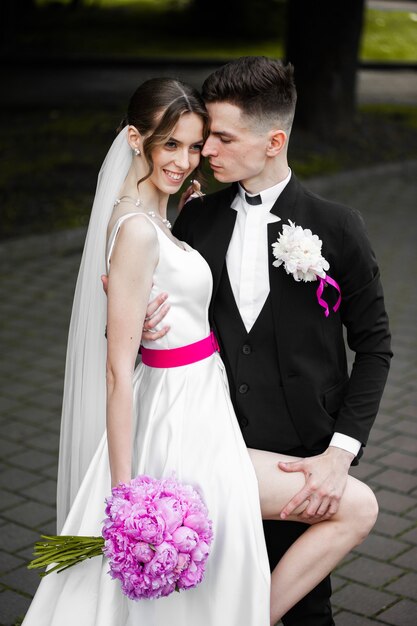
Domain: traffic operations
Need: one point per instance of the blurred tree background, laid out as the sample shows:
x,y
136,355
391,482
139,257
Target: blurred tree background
x,y
52,147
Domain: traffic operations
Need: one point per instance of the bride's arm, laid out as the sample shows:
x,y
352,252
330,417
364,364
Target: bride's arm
x,y
133,261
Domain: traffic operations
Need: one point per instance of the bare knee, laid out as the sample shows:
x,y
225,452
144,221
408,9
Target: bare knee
x,y
364,512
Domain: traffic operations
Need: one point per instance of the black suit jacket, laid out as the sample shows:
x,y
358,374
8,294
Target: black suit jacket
x,y
321,396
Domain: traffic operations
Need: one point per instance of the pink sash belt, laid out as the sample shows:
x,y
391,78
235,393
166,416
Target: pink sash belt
x,y
181,356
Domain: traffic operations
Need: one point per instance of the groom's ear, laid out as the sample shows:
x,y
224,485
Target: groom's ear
x,y
277,141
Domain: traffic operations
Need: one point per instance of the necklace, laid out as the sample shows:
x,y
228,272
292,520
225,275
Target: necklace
x,y
138,202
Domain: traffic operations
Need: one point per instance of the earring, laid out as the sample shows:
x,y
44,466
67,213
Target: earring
x,y
137,152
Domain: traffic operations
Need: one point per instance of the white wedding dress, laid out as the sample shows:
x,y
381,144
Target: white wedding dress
x,y
184,423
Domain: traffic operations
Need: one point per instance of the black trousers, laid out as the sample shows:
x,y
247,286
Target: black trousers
x,y
314,609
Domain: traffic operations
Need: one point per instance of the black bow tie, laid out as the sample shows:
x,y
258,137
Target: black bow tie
x,y
253,200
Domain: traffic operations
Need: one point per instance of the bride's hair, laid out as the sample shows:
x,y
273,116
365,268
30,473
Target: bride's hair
x,y
155,108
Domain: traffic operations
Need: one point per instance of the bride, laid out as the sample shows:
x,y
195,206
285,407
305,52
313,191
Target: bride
x,y
172,413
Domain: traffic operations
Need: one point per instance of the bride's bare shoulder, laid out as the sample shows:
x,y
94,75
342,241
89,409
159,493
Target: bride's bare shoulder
x,y
133,226
135,236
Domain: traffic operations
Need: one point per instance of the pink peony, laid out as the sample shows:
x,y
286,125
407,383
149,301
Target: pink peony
x,y
164,561
198,522
143,552
169,508
191,576
200,552
185,539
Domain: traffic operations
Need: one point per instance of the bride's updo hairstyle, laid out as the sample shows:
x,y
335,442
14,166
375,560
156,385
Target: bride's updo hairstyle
x,y
155,108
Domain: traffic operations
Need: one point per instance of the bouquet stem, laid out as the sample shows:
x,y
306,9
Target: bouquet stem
x,y
64,551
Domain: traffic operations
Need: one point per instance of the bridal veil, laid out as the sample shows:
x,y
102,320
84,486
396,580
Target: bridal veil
x,y
83,419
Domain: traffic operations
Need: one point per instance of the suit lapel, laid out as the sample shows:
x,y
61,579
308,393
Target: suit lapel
x,y
221,231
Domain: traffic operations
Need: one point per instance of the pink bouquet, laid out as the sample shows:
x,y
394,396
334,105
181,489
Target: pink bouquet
x,y
156,535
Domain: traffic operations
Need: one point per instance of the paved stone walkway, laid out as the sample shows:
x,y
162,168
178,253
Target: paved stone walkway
x,y
377,583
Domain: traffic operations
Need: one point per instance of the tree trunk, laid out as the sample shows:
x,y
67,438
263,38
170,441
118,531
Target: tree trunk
x,y
322,43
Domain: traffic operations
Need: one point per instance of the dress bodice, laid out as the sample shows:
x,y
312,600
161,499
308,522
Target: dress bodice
x,y
186,277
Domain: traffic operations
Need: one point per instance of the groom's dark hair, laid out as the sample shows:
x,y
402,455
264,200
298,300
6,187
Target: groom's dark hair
x,y
262,88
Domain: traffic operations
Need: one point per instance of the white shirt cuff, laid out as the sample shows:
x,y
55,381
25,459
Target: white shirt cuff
x,y
346,443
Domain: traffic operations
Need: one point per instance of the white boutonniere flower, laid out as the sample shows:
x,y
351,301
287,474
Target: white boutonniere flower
x,y
299,251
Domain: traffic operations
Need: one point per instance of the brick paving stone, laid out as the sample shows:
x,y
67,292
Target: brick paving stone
x,y
46,441
369,572
6,404
408,559
402,443
50,472
12,605
22,580
30,514
392,525
400,461
8,499
16,479
27,413
364,600
411,514
385,420
50,401
9,562
411,410
33,461
17,431
350,619
373,452
364,471
43,492
381,547
14,537
410,536
395,479
404,613
405,586
394,502
15,389
405,426
379,435
7,448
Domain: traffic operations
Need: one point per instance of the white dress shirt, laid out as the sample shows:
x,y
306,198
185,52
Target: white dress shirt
x,y
247,266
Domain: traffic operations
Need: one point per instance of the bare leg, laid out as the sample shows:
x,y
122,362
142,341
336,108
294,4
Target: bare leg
x,y
323,545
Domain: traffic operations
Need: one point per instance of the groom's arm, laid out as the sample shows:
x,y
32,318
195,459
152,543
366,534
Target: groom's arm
x,y
365,318
364,315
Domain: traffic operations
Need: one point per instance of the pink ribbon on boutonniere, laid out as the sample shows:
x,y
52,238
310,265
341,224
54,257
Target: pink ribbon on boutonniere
x,y
327,280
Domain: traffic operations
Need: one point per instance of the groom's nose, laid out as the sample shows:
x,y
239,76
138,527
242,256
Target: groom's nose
x,y
209,148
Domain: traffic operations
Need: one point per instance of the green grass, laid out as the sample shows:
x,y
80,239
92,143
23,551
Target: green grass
x,y
389,35
160,28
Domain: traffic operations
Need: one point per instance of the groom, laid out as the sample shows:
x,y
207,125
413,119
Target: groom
x,y
285,360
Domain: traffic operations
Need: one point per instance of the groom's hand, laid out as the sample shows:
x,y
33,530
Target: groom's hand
x,y
155,313
326,475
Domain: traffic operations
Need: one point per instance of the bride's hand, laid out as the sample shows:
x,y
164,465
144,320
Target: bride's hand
x,y
193,191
